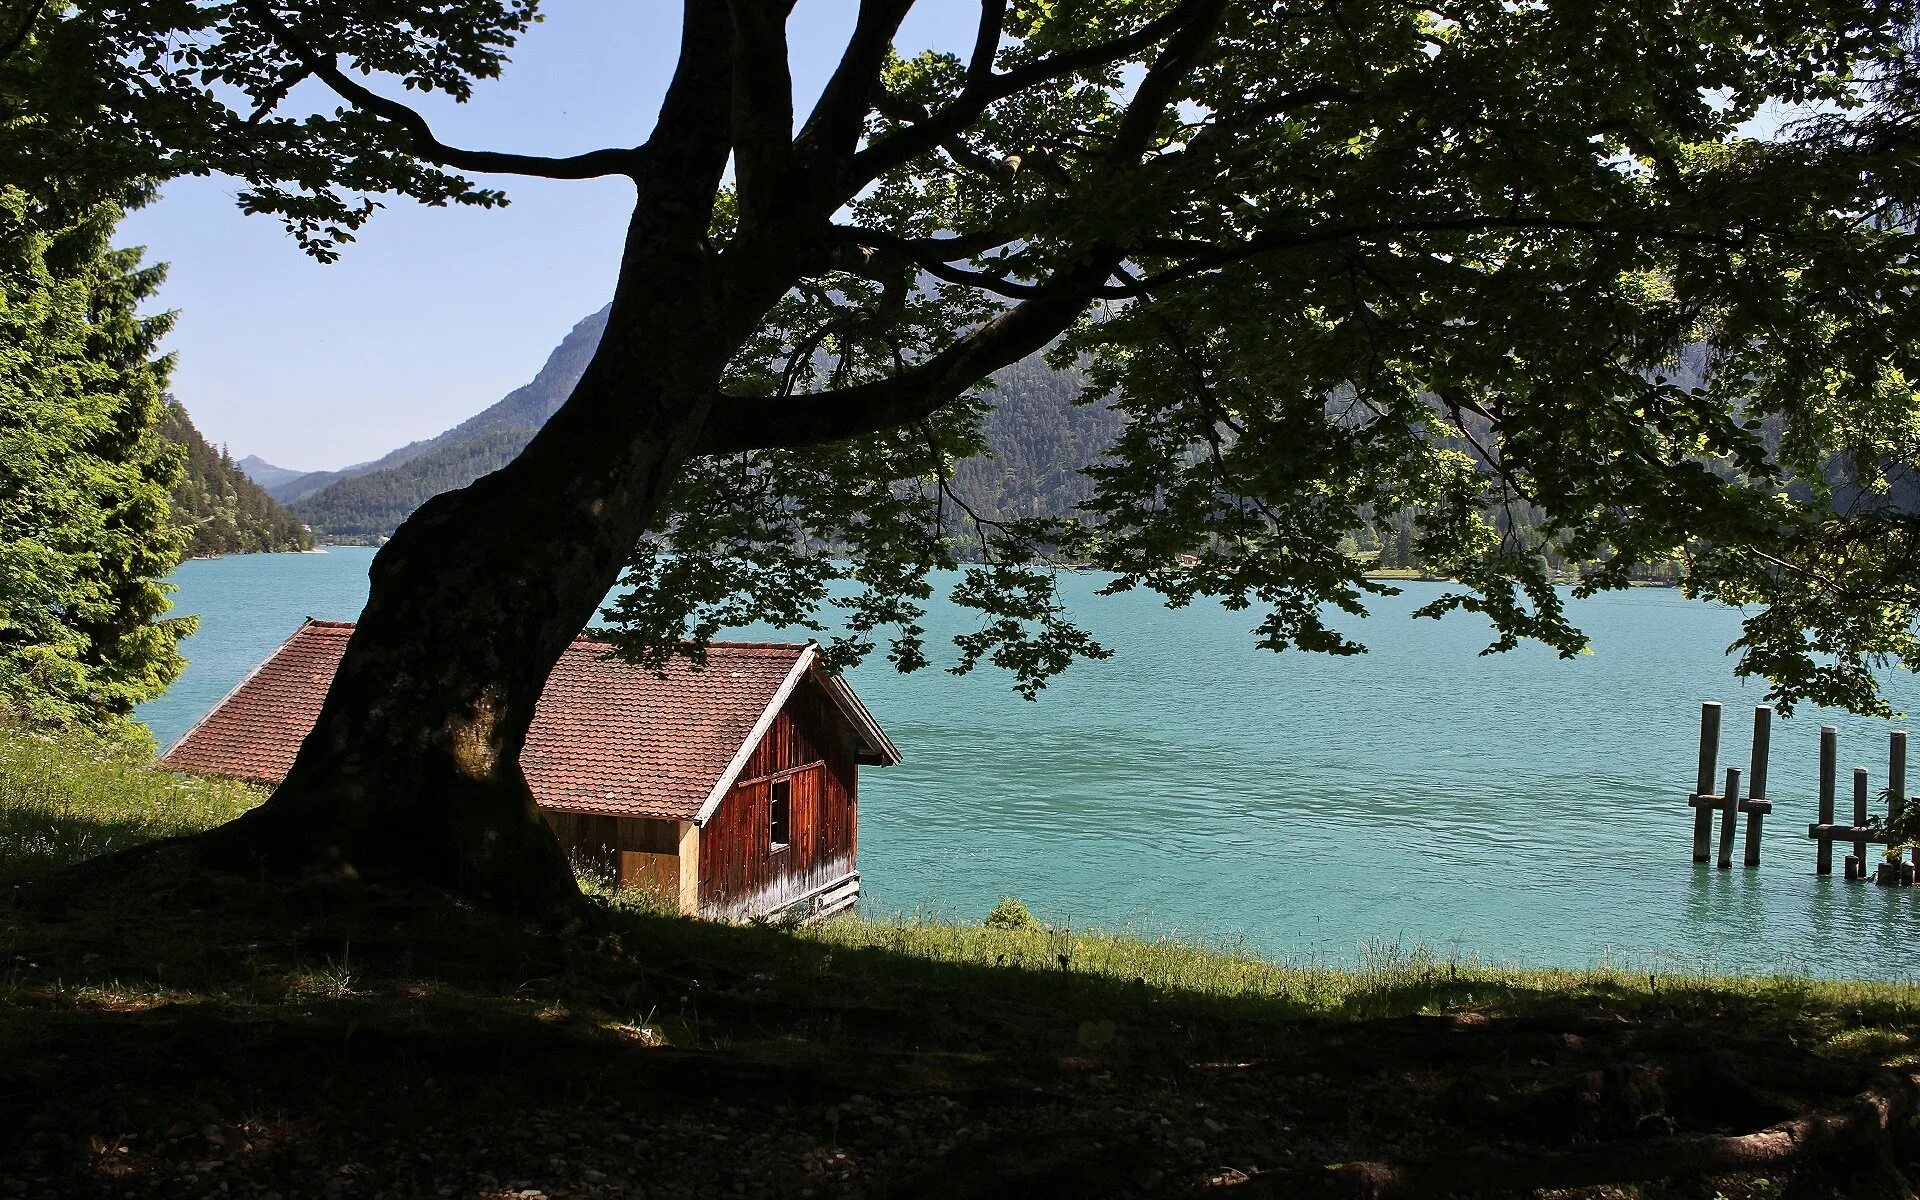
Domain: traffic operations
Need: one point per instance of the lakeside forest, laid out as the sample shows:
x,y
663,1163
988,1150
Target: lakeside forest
x,y
226,511
1344,286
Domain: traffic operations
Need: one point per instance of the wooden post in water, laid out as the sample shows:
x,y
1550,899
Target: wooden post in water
x,y
1757,780
1829,755
1703,780
1896,775
1860,814
1729,815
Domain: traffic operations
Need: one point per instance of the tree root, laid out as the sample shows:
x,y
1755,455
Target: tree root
x,y
1867,1121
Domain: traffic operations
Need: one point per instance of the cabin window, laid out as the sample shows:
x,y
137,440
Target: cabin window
x,y
778,810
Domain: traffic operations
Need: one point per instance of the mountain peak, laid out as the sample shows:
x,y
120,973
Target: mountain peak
x,y
265,473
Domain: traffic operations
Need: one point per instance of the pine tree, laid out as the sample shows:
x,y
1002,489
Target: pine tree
x,y
87,532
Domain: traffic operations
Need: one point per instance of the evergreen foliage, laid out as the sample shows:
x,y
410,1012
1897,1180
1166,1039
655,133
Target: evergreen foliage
x,y
87,529
87,533
224,511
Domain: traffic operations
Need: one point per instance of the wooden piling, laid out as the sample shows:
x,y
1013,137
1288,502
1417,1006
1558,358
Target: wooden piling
x,y
1829,754
1757,761
1860,812
1757,780
1729,815
1896,775
1755,816
1703,780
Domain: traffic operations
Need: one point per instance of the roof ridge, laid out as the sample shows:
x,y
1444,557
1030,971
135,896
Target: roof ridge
x,y
584,640
587,639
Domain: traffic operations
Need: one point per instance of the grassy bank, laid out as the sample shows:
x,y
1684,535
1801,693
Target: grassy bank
x,y
76,794
167,1033
71,796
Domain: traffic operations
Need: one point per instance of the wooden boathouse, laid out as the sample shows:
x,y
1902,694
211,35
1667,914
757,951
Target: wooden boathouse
x,y
731,790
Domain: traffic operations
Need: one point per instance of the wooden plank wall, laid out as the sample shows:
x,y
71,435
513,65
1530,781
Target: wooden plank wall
x,y
656,873
598,841
811,748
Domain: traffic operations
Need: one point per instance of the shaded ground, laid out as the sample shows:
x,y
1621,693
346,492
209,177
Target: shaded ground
x,y
185,1036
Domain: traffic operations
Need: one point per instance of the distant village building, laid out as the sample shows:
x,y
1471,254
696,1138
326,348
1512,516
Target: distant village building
x,y
730,791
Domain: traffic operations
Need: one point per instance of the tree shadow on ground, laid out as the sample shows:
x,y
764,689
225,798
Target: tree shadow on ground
x,y
165,1030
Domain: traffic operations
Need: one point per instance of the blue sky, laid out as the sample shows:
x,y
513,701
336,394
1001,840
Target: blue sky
x,y
436,313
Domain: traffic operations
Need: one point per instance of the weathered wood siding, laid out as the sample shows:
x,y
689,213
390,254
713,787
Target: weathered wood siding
x,y
810,748
627,850
656,873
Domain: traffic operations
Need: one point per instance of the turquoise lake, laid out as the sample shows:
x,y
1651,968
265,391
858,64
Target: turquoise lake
x,y
1518,806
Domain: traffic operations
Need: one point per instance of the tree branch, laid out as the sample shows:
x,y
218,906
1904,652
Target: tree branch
x,y
758,423
832,130
692,138
1208,256
1215,256
919,391
919,251
984,88
424,144
762,110
986,42
20,35
908,113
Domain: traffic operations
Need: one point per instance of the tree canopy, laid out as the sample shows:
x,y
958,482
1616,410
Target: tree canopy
x,y
1329,262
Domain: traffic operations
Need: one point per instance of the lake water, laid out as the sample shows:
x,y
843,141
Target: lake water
x,y
1516,806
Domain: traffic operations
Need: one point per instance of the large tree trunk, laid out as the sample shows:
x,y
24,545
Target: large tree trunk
x,y
412,770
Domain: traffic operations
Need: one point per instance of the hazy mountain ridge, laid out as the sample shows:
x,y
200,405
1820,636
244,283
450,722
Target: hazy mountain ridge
x,y
265,473
522,410
1041,439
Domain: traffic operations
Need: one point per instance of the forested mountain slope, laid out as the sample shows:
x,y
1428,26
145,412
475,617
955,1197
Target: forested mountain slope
x,y
1041,440
361,512
366,507
227,512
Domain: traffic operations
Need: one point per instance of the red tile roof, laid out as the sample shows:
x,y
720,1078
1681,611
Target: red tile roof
x,y
608,737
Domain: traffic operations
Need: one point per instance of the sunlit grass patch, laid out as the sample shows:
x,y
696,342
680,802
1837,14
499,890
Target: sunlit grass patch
x,y
1161,963
76,794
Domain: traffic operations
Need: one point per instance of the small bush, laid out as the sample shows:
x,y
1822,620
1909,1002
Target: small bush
x,y
1010,913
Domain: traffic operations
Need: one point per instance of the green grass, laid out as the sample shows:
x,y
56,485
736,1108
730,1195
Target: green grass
x,y
178,992
72,795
